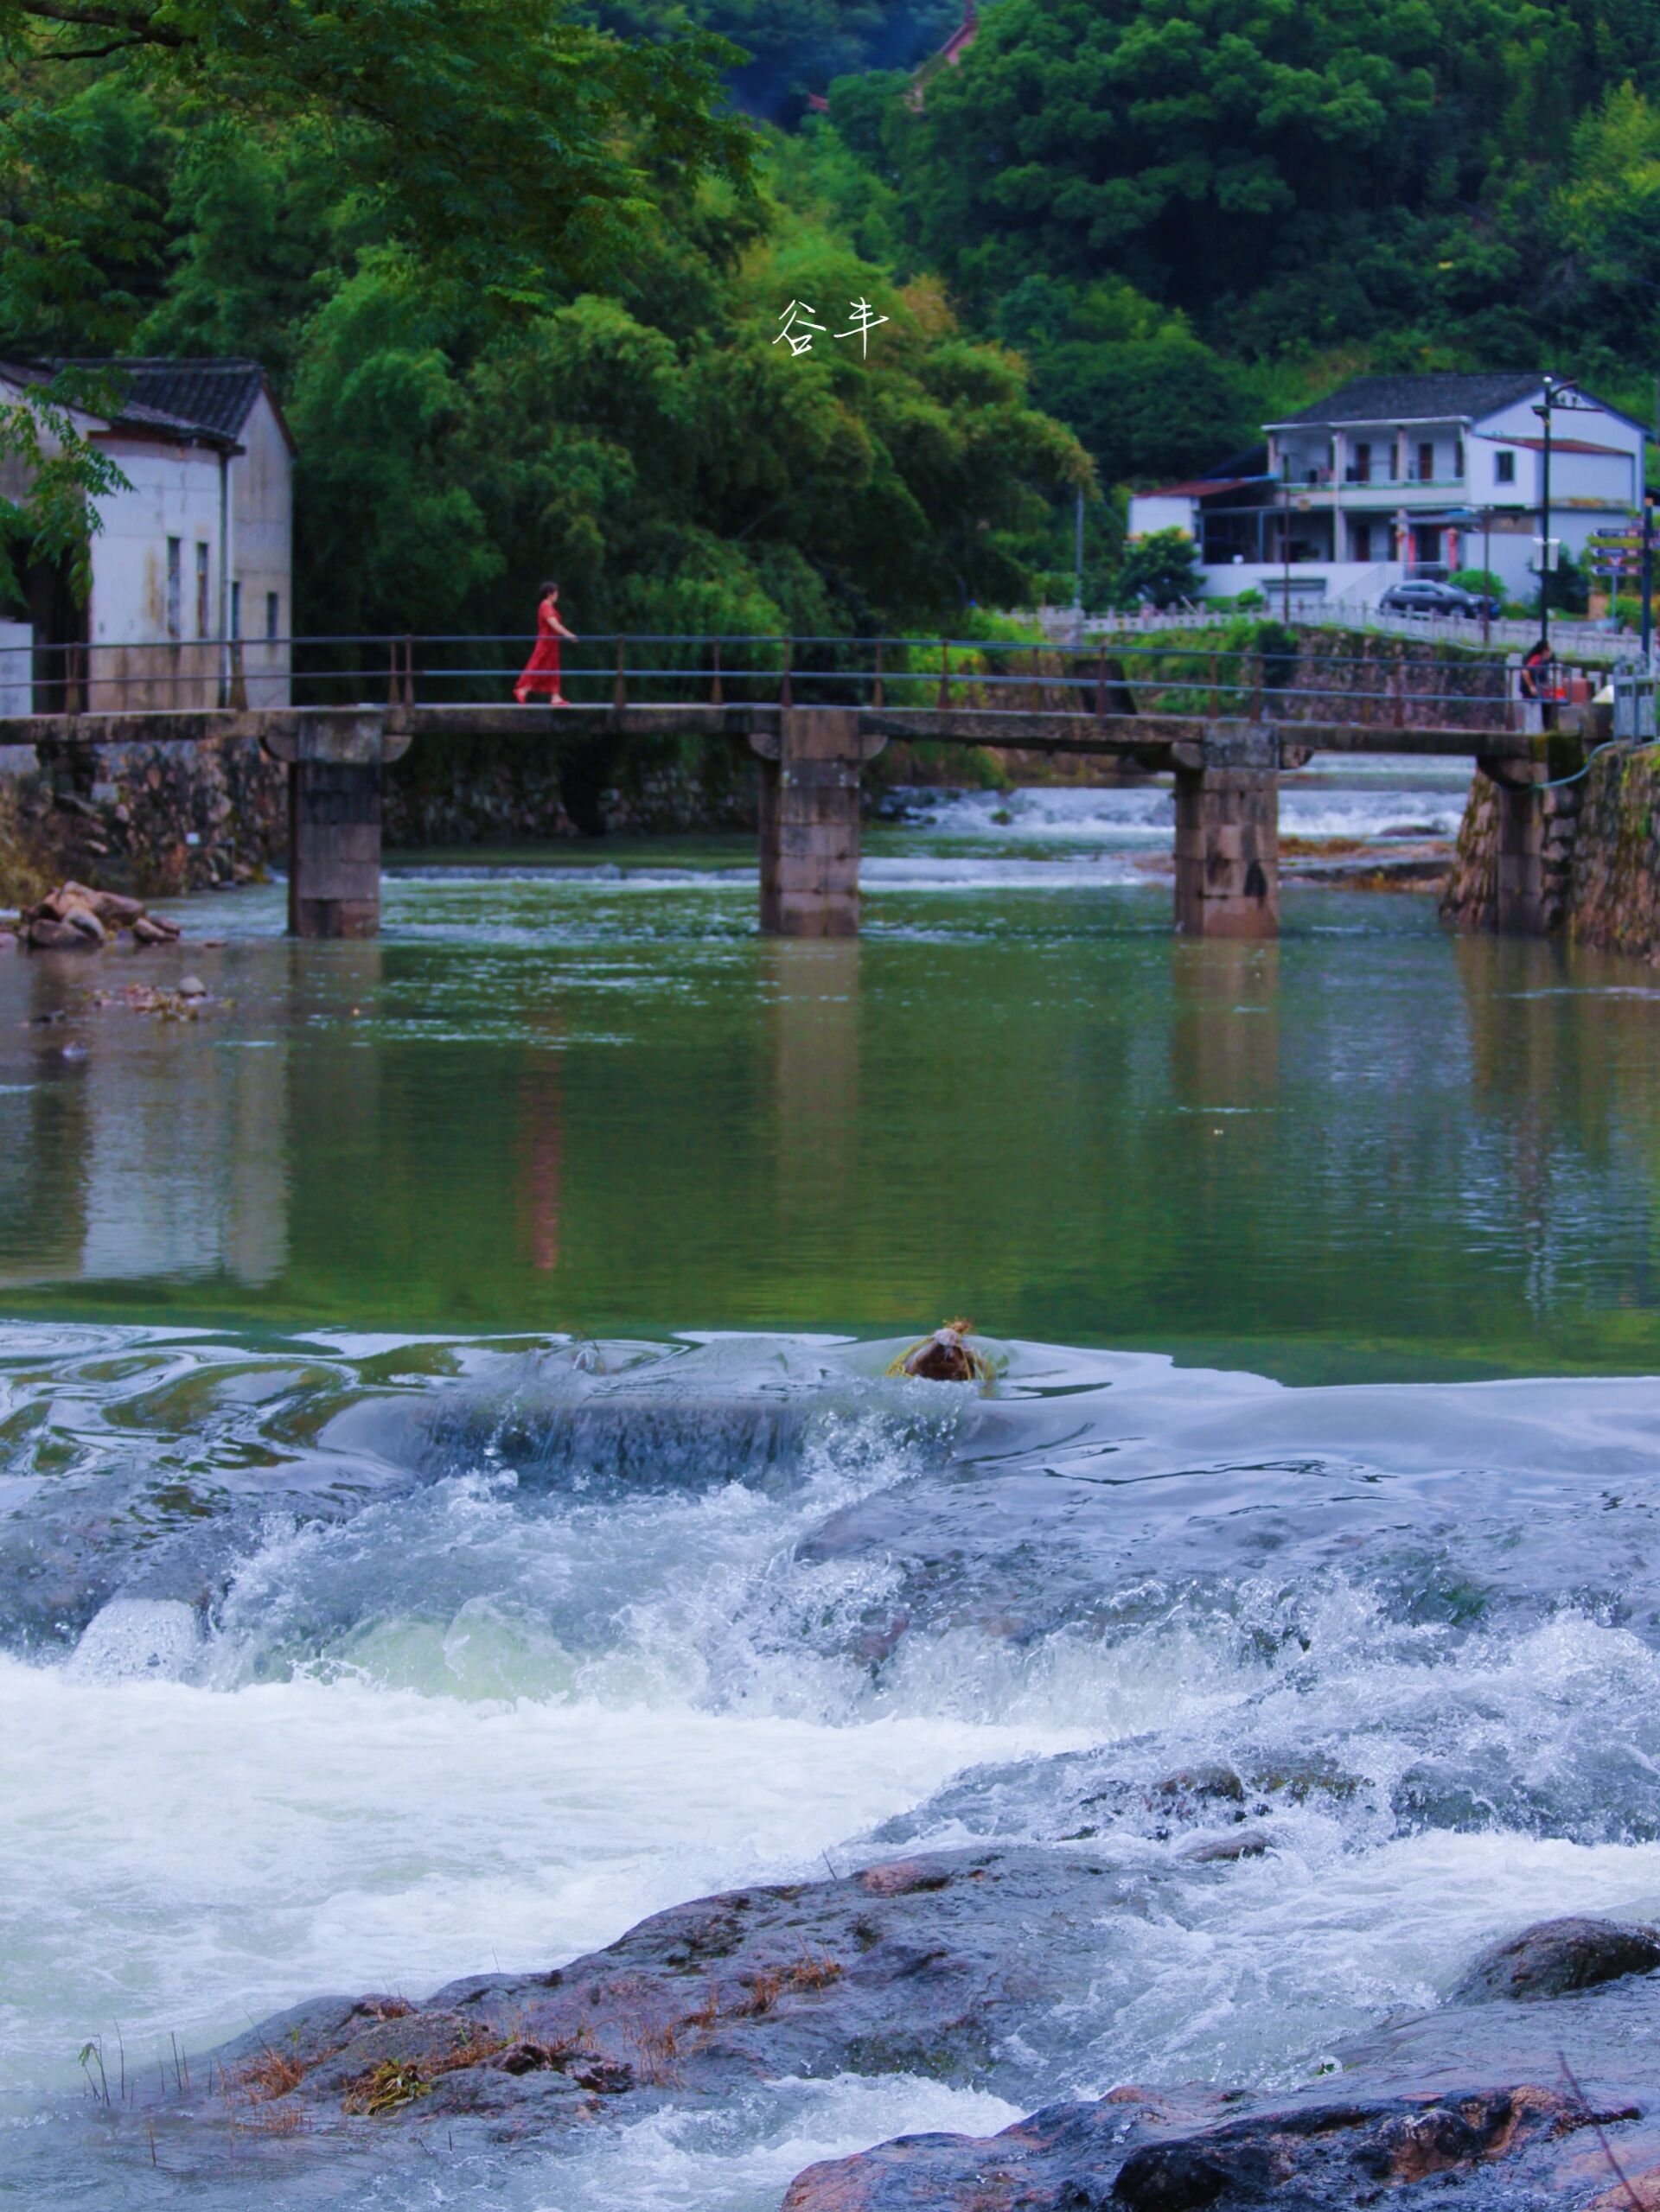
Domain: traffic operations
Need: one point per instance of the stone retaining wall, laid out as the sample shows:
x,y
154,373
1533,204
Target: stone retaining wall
x,y
1602,857
159,819
459,791
150,819
1362,677
1614,900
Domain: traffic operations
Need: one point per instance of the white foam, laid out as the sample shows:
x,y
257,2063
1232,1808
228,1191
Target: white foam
x,y
178,1858
135,1636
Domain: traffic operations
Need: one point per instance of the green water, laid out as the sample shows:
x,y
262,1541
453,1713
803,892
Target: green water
x,y
569,1099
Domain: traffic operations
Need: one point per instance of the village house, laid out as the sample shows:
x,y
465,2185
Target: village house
x,y
1395,476
191,602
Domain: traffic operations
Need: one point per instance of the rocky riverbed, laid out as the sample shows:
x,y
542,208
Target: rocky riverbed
x,y
1535,2083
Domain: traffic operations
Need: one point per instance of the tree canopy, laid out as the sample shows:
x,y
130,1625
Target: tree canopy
x,y
520,283
517,264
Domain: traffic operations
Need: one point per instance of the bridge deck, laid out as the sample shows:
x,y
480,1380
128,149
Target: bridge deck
x,y
1136,735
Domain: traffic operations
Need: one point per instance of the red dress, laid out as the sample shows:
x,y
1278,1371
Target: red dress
x,y
542,669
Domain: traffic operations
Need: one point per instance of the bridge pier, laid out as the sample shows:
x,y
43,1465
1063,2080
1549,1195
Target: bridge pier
x,y
809,820
334,757
1519,866
1227,831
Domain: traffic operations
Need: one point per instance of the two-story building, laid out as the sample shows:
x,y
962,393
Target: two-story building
x,y
192,563
1397,475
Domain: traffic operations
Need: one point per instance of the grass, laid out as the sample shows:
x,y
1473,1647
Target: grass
x,y
273,2073
399,2082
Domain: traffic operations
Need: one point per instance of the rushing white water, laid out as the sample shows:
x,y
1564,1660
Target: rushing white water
x,y
1372,797
496,1655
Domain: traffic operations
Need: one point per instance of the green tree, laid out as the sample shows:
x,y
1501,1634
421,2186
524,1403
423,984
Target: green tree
x,y
511,151
1147,399
1605,221
1157,570
508,143
792,47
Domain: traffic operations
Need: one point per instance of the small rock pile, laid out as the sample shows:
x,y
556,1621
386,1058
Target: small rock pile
x,y
188,1004
73,919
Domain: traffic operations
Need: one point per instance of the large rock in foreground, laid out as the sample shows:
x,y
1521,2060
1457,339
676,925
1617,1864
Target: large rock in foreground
x,y
1091,2158
971,1967
919,1965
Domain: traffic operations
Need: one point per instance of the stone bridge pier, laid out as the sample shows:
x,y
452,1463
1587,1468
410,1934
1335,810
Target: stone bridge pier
x,y
1227,829
334,756
809,820
1519,898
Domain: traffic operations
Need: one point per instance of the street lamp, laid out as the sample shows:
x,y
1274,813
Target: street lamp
x,y
1559,391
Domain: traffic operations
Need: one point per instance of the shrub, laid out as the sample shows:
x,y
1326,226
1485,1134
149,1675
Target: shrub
x,y
1483,580
1157,570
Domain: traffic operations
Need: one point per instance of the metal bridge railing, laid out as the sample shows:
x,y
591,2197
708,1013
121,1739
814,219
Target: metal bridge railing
x,y
1197,675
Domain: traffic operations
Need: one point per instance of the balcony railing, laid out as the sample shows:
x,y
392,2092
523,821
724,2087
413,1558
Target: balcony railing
x,y
1378,479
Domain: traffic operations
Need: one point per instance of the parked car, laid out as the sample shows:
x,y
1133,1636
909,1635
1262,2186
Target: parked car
x,y
1423,596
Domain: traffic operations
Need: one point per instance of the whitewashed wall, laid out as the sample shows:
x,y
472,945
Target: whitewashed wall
x,y
1151,511
262,551
136,659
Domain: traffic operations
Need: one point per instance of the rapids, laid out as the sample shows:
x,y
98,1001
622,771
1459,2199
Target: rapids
x,y
451,1504
449,1657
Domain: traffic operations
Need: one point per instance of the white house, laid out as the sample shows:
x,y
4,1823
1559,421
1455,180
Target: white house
x,y
191,602
1396,476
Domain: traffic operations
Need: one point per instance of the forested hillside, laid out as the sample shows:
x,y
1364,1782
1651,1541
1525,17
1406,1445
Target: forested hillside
x,y
518,269
1173,204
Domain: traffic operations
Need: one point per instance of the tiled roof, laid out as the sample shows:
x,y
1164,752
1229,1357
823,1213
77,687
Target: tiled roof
x,y
1440,395
212,396
1203,486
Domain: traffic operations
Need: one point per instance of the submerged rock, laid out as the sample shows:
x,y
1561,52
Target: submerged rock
x,y
1555,1957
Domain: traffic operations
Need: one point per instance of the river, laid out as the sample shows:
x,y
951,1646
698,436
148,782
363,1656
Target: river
x,y
453,1505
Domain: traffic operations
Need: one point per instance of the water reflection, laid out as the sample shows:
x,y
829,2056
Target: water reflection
x,y
812,989
1364,1149
541,1148
1224,1044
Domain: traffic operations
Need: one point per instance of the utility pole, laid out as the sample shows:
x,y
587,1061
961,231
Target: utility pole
x,y
1648,573
1284,469
1543,412
1486,573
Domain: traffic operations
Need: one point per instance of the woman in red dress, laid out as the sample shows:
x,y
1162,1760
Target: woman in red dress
x,y
542,669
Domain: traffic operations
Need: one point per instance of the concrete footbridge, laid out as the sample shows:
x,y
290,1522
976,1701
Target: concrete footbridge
x,y
1225,725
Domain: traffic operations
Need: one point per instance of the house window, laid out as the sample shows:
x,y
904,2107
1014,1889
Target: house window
x,y
1505,468
273,617
1457,459
236,607
175,587
1426,464
1363,467
204,616
1363,539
